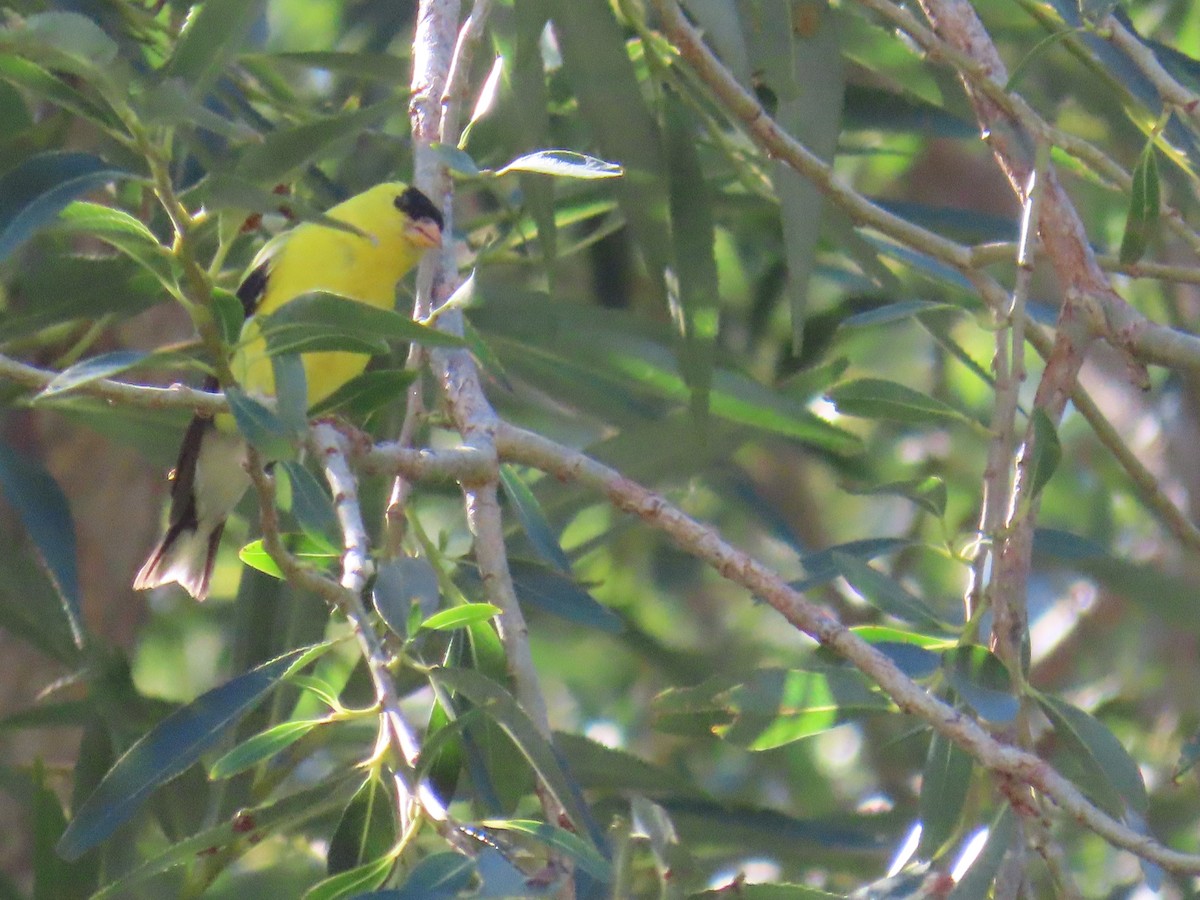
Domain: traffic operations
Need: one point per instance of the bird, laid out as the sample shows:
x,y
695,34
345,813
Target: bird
x,y
394,225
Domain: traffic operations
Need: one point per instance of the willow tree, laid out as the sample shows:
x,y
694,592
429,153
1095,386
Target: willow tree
x,y
786,488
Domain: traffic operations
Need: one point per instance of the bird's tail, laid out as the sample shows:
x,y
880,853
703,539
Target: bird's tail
x,y
185,555
208,481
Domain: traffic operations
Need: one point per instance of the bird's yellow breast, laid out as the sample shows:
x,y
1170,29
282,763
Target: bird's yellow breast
x,y
364,268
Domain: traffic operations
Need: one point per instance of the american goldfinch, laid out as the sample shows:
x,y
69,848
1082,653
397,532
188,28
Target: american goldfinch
x,y
398,223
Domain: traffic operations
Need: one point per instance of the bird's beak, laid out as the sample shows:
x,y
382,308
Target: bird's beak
x,y
424,233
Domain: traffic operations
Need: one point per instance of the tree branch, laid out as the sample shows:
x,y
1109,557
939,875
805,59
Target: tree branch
x,y
525,447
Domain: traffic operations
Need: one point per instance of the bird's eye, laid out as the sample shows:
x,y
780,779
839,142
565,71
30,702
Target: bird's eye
x,y
416,205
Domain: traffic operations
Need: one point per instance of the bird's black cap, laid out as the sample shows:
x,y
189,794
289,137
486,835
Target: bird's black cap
x,y
417,206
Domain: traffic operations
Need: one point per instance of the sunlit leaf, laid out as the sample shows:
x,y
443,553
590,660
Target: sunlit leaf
x,y
460,616
563,164
262,746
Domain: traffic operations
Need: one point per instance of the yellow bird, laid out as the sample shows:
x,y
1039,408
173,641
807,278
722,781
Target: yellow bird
x,y
398,223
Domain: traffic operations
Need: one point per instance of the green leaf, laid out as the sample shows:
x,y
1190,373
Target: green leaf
x,y
278,816
283,151
499,705
262,746
460,616
821,567
92,369
367,830
307,547
316,321
874,398
310,501
367,393
174,103
558,840
976,883
929,492
1047,453
121,231
603,768
982,681
53,877
458,161
230,315
353,882
40,187
563,164
533,520
46,516
945,781
73,35
774,707
439,876
212,35
401,584
262,427
885,593
291,391
796,53
41,84
550,590
1141,222
1092,756
693,232
166,751
891,313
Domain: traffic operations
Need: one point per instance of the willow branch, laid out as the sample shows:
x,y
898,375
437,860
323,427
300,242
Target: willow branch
x,y
439,48
527,448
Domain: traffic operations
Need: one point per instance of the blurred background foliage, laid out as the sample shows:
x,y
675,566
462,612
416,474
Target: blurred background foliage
x,y
704,323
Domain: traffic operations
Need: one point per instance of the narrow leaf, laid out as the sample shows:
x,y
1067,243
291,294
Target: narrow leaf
x,y
166,751
885,593
500,706
1098,762
1047,453
557,839
367,393
92,369
213,33
367,829
874,398
307,547
262,746
982,681
321,314
1141,222
33,193
46,515
261,426
944,784
460,616
533,520
563,164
